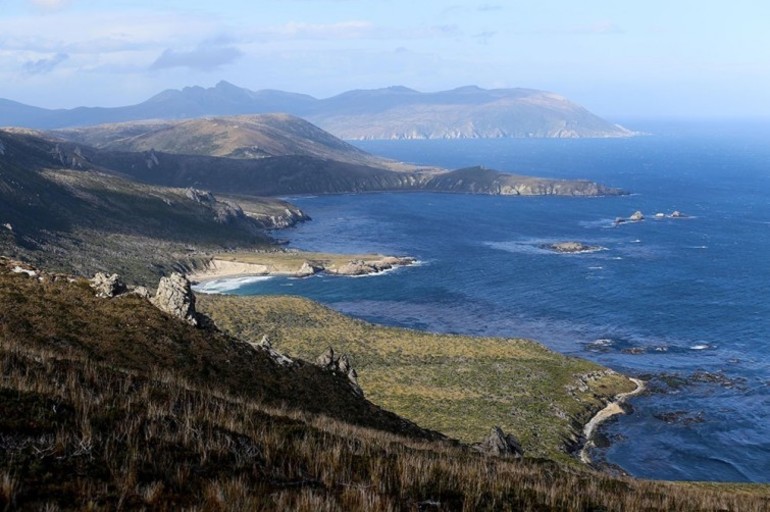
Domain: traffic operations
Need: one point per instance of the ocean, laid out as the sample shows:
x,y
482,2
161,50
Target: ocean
x,y
681,302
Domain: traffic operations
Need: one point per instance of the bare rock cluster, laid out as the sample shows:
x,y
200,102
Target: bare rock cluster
x,y
107,286
265,345
500,444
362,267
174,295
329,361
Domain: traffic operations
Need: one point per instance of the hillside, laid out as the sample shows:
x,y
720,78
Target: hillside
x,y
458,385
389,113
282,155
462,113
241,137
59,208
109,404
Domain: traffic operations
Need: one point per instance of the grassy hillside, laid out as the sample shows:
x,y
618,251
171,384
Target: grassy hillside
x,y
107,404
458,385
243,137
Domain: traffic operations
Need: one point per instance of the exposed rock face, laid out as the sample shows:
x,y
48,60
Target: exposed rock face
x,y
500,444
107,286
175,297
341,365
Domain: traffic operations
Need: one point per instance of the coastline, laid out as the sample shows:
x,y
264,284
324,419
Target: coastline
x,y
612,409
295,264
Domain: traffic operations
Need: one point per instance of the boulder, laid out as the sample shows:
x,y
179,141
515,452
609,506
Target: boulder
x,y
500,444
175,297
636,216
107,286
327,360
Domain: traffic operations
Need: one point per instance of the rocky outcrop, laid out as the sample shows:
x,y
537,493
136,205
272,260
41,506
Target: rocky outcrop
x,y
500,444
265,346
308,269
289,217
175,297
571,247
637,216
107,286
341,365
365,267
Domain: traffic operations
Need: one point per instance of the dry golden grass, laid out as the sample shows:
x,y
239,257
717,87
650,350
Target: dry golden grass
x,y
139,417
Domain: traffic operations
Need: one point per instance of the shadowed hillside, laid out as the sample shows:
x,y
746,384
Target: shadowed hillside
x,y
59,207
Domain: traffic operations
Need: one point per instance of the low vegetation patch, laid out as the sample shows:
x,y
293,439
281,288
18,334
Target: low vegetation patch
x,y
458,385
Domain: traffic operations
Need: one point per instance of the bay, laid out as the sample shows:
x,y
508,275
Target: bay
x,y
682,302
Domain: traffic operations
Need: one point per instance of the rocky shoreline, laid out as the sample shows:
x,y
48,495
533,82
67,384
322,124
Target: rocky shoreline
x,y
297,264
612,409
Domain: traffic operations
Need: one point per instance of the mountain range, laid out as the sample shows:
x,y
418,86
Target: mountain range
x,y
388,113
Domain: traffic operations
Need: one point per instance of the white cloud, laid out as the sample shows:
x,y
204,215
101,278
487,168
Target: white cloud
x,y
45,65
203,58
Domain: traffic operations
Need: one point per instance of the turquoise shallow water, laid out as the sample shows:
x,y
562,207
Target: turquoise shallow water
x,y
683,302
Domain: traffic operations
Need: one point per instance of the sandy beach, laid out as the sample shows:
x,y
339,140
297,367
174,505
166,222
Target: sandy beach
x,y
609,411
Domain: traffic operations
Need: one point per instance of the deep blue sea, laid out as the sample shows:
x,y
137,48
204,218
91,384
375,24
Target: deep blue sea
x,y
684,303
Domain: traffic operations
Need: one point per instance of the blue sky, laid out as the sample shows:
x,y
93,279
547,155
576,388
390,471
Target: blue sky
x,y
674,58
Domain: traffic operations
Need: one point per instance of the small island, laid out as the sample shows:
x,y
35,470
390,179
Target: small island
x,y
571,247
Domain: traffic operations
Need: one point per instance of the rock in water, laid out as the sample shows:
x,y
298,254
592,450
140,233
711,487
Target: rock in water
x,y
571,247
175,297
107,286
636,216
500,444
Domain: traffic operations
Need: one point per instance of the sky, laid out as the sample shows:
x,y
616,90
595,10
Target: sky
x,y
619,59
